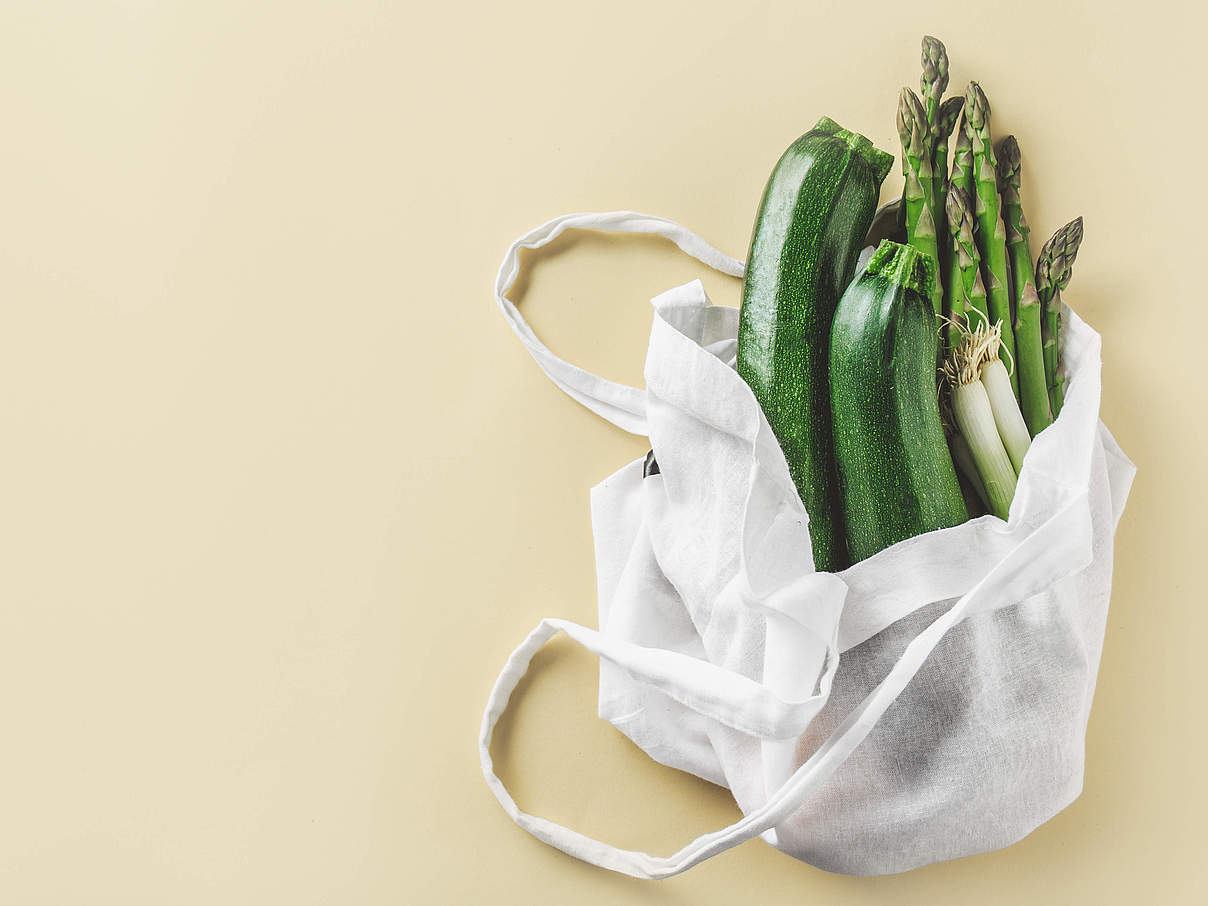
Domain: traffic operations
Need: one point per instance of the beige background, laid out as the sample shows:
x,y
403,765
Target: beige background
x,y
280,491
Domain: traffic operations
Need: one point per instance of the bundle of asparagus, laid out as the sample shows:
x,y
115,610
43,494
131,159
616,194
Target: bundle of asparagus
x,y
995,302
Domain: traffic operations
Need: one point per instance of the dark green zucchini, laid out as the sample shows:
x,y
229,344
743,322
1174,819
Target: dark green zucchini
x,y
816,210
895,471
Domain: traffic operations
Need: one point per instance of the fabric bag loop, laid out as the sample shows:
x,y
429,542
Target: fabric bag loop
x,y
620,404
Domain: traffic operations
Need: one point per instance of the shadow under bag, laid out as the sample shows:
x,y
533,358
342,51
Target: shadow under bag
x,y
928,703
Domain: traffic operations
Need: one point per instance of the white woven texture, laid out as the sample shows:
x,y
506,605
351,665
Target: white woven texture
x,y
928,703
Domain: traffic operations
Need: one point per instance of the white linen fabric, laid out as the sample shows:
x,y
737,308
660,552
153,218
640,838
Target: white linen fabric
x,y
927,703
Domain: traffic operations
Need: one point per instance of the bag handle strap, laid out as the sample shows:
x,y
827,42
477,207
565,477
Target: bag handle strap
x,y
749,706
620,404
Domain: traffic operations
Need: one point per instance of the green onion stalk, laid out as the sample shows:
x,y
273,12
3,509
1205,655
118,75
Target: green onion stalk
x,y
1007,418
974,416
977,501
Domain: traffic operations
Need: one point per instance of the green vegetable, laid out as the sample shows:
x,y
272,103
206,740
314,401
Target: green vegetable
x,y
941,132
1054,267
932,84
895,471
974,417
972,488
971,408
991,233
918,193
934,79
1033,384
962,155
967,469
970,296
941,117
977,299
816,210
1012,429
945,120
956,302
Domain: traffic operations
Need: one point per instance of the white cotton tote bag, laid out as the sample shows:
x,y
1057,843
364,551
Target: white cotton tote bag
x,y
928,703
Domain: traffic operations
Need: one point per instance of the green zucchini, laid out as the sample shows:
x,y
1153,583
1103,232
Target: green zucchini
x,y
895,472
816,210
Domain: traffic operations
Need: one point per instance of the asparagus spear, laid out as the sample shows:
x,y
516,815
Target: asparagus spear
x,y
1029,364
977,297
962,168
962,155
916,163
934,80
956,301
992,234
1054,267
945,120
968,294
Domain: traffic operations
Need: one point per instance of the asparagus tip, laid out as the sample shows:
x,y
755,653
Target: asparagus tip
x,y
935,66
1009,159
977,106
957,206
911,119
1054,264
963,142
945,119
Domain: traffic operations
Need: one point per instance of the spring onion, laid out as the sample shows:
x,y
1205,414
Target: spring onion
x,y
1011,426
974,416
963,457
